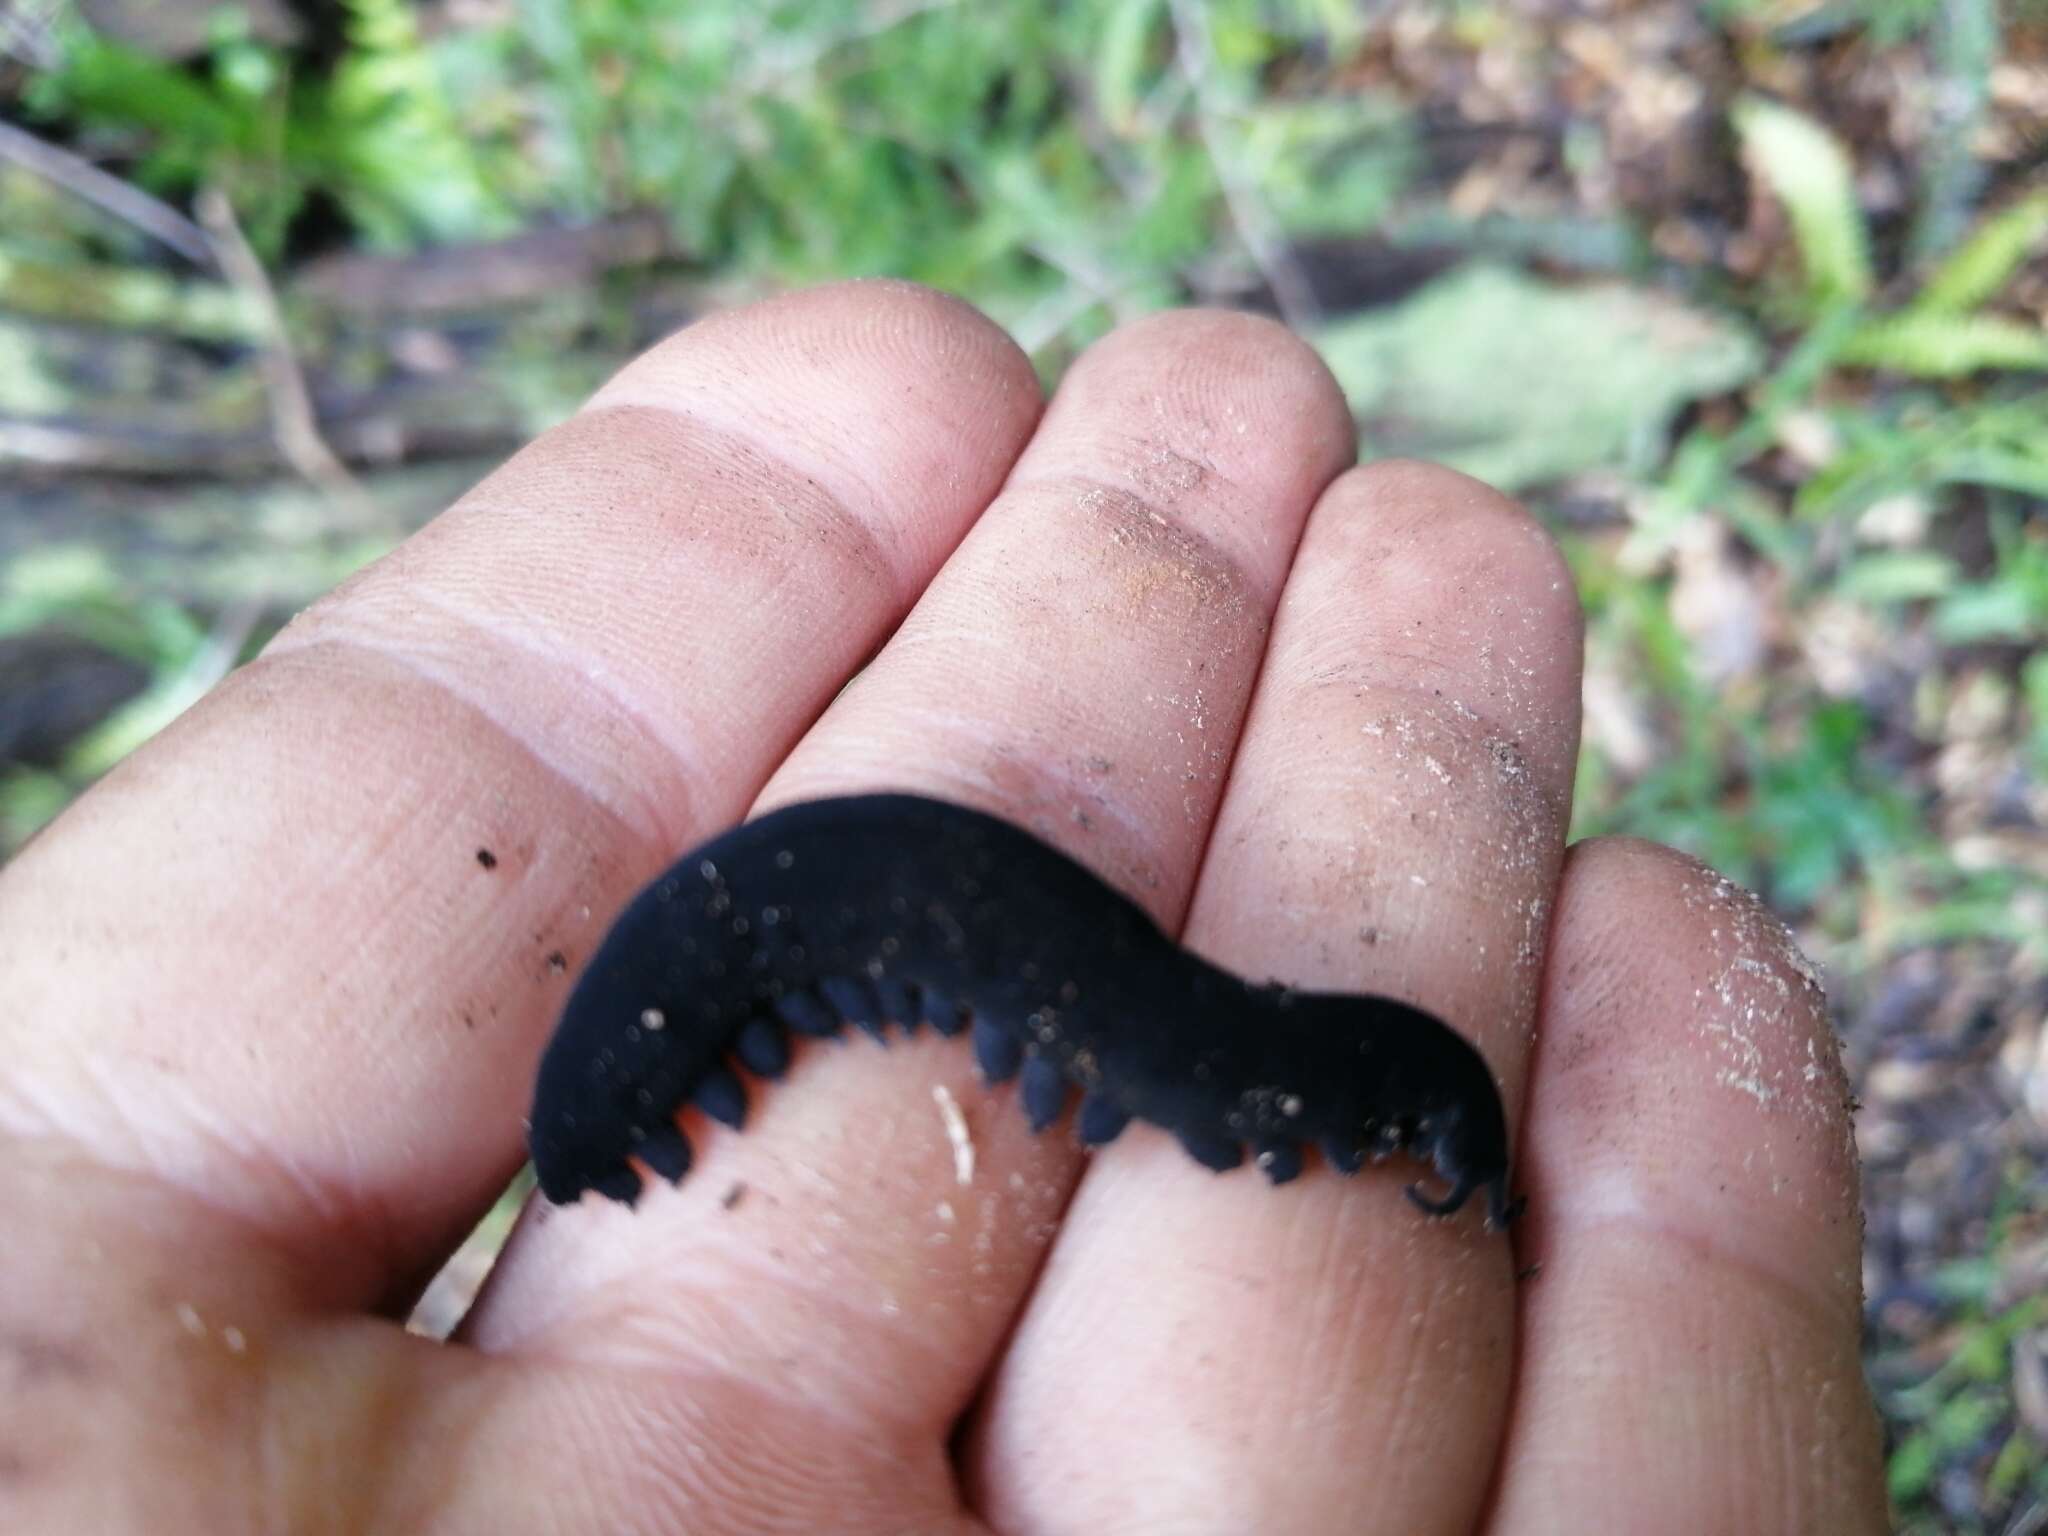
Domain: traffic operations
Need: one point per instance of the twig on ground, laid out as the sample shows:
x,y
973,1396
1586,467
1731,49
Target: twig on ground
x,y
1080,269
775,66
1050,316
1255,224
108,193
292,421
25,33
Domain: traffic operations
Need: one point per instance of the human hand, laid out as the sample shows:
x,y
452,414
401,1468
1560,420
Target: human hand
x,y
276,988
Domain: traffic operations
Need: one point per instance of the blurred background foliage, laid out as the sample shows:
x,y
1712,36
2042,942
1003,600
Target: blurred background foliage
x,y
1747,299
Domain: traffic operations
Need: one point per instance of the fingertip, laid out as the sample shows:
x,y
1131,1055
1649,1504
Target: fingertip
x,y
1176,406
898,400
1415,504
1690,1074
1228,355
904,328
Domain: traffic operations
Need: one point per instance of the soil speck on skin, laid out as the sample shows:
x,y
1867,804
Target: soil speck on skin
x,y
557,961
486,859
1749,1005
733,1196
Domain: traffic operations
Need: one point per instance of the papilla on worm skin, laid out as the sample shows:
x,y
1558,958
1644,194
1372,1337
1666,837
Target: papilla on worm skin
x,y
875,910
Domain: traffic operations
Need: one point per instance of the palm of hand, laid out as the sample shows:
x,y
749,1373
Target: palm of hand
x,y
272,1021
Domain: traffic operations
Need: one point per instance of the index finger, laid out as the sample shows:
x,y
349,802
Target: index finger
x,y
296,957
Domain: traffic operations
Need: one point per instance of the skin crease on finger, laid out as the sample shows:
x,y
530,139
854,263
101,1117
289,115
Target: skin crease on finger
x,y
182,1351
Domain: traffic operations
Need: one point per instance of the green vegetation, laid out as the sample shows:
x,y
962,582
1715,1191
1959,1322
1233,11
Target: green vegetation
x,y
1785,405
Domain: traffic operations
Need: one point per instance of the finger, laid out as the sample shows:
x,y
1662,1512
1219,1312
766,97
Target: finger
x,y
1691,1339
297,957
1321,1356
1080,667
